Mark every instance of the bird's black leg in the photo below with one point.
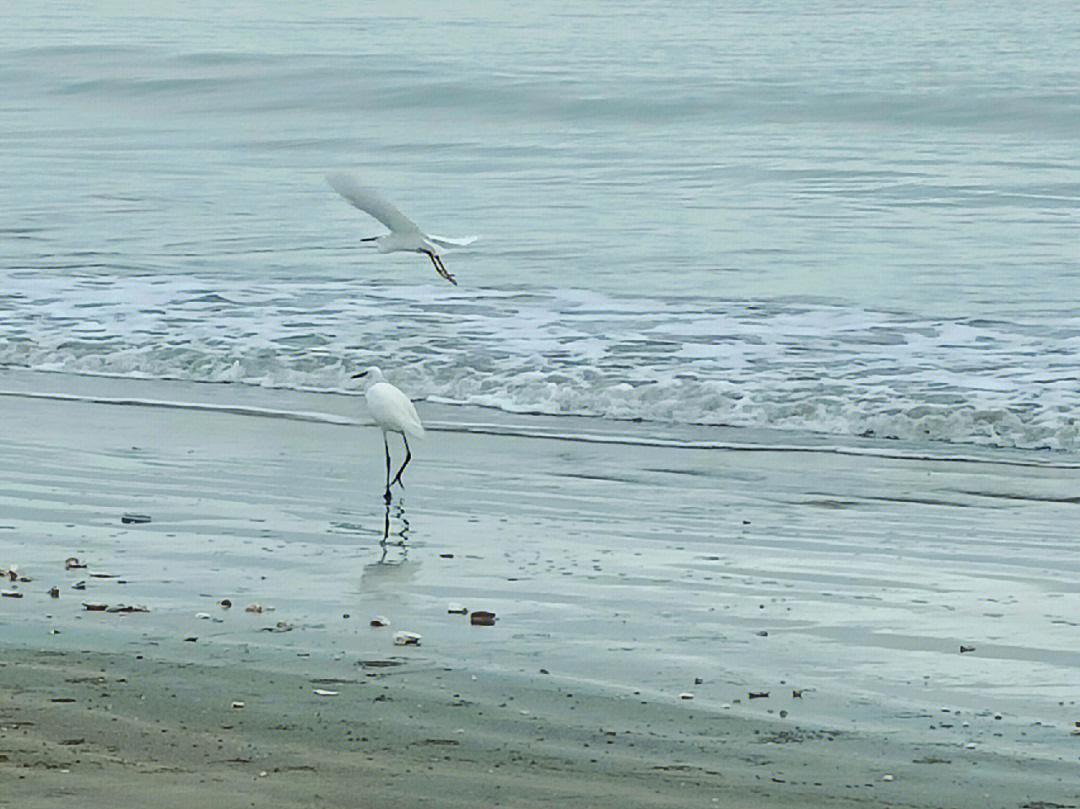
(408, 457)
(439, 268)
(386, 446)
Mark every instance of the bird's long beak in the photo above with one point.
(357, 376)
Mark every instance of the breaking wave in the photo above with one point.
(785, 365)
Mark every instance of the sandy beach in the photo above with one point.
(722, 621)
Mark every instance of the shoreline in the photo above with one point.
(629, 574)
(348, 410)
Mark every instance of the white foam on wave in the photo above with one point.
(792, 366)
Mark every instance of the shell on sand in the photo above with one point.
(404, 638)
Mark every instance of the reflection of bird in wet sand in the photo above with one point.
(394, 413)
(391, 571)
(403, 533)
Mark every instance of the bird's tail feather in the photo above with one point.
(443, 241)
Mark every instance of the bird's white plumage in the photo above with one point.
(367, 199)
(404, 234)
(391, 409)
(445, 241)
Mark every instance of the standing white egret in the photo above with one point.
(394, 413)
(404, 234)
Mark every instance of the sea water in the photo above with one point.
(852, 219)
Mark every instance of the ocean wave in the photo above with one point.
(785, 365)
(574, 432)
(633, 90)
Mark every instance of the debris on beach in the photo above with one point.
(965, 649)
(54, 592)
(203, 616)
(686, 695)
(280, 626)
(762, 633)
(758, 695)
(482, 618)
(457, 609)
(128, 608)
(379, 620)
(94, 606)
(79, 585)
(225, 604)
(13, 575)
(130, 518)
(255, 608)
(73, 563)
(322, 692)
(104, 575)
(10, 594)
(237, 705)
(404, 638)
(796, 693)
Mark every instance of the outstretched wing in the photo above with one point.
(442, 241)
(369, 201)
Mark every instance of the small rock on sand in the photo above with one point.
(482, 618)
(130, 518)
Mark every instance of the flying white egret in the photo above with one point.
(404, 234)
(394, 413)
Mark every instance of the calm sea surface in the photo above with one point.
(855, 219)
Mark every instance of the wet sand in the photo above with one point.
(623, 576)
